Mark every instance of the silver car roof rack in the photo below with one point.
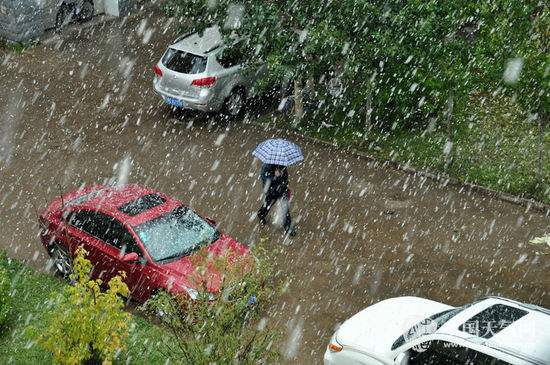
(212, 48)
(182, 37)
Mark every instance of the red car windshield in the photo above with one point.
(176, 234)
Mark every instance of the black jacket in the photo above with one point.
(278, 185)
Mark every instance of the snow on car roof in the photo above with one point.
(85, 197)
(210, 39)
(529, 335)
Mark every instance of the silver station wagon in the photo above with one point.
(200, 72)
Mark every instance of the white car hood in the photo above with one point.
(376, 328)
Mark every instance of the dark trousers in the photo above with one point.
(269, 201)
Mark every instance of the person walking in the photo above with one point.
(275, 187)
(276, 155)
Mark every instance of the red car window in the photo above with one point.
(86, 221)
(105, 228)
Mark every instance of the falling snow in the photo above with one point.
(79, 109)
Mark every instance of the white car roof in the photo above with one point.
(528, 337)
(378, 326)
(193, 43)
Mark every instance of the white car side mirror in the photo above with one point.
(401, 359)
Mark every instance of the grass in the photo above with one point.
(502, 147)
(30, 291)
(494, 146)
(16, 47)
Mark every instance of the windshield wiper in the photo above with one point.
(176, 255)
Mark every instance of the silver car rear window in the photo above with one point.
(183, 62)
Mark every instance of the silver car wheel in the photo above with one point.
(61, 259)
(235, 103)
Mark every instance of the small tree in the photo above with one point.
(85, 323)
(222, 328)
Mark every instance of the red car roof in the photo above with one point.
(110, 200)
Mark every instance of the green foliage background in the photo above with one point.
(398, 62)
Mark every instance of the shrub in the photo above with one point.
(223, 328)
(85, 323)
(5, 297)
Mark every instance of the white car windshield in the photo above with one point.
(427, 326)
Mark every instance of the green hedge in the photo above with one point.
(494, 145)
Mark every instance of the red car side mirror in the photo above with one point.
(130, 257)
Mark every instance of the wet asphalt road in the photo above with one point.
(76, 106)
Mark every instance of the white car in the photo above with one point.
(411, 331)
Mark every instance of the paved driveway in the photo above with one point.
(79, 109)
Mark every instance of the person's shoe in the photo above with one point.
(263, 221)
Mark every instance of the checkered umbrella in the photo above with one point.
(278, 152)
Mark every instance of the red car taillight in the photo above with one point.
(204, 82)
(157, 70)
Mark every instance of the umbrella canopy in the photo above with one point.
(278, 152)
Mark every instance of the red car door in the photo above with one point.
(83, 229)
(117, 242)
(140, 278)
(141, 274)
(106, 240)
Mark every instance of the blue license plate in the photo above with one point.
(174, 102)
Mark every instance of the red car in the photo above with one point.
(145, 233)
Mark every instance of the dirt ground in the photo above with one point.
(76, 106)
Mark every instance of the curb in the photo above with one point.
(439, 177)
